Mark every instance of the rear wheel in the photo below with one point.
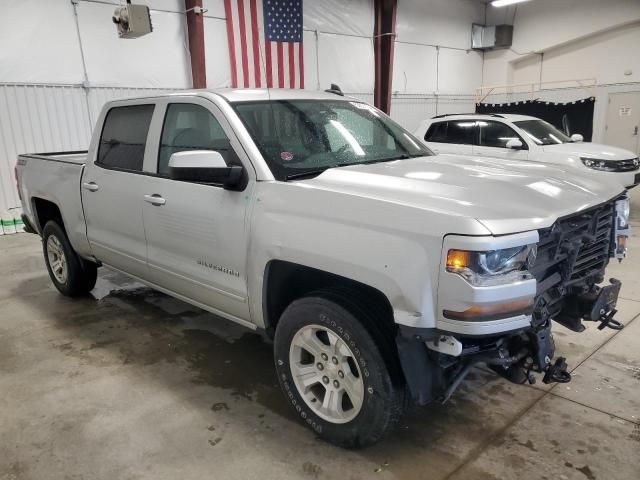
(333, 371)
(71, 275)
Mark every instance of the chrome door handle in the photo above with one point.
(155, 199)
(91, 186)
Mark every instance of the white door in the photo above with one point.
(197, 234)
(623, 121)
(111, 187)
(492, 141)
(452, 136)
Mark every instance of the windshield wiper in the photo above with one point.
(403, 156)
(306, 174)
(314, 173)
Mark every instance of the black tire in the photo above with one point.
(384, 388)
(81, 275)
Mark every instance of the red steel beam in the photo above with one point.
(195, 29)
(384, 40)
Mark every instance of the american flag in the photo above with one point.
(265, 43)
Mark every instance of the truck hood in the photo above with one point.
(591, 150)
(505, 198)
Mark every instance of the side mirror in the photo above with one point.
(576, 137)
(204, 166)
(514, 144)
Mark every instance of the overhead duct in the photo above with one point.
(491, 37)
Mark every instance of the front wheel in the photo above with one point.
(71, 275)
(333, 372)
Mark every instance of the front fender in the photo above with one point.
(387, 247)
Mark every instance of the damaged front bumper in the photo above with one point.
(435, 363)
(572, 256)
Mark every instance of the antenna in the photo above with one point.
(264, 67)
(273, 115)
(335, 89)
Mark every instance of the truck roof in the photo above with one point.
(255, 94)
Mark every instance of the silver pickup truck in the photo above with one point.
(381, 272)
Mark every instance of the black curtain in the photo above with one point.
(571, 117)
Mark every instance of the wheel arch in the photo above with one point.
(286, 281)
(45, 210)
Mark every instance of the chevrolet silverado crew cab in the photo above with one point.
(510, 137)
(380, 271)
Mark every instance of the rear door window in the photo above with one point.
(124, 137)
(460, 132)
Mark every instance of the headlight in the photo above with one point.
(622, 229)
(594, 163)
(623, 210)
(494, 267)
(610, 165)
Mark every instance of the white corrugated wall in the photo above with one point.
(38, 118)
(48, 118)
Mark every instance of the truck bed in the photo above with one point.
(54, 178)
(79, 157)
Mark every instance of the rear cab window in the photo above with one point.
(461, 132)
(124, 137)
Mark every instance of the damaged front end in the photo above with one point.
(568, 270)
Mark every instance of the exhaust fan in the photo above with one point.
(132, 21)
(489, 37)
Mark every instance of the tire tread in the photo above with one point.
(381, 333)
(82, 274)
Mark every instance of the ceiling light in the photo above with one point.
(504, 3)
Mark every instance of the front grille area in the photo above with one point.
(626, 165)
(572, 256)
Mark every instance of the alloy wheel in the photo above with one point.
(57, 259)
(326, 374)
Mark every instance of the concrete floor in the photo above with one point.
(133, 384)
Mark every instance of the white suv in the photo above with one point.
(520, 137)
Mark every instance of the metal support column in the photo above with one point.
(195, 29)
(383, 41)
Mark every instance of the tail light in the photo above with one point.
(15, 171)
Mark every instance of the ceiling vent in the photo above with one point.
(490, 37)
